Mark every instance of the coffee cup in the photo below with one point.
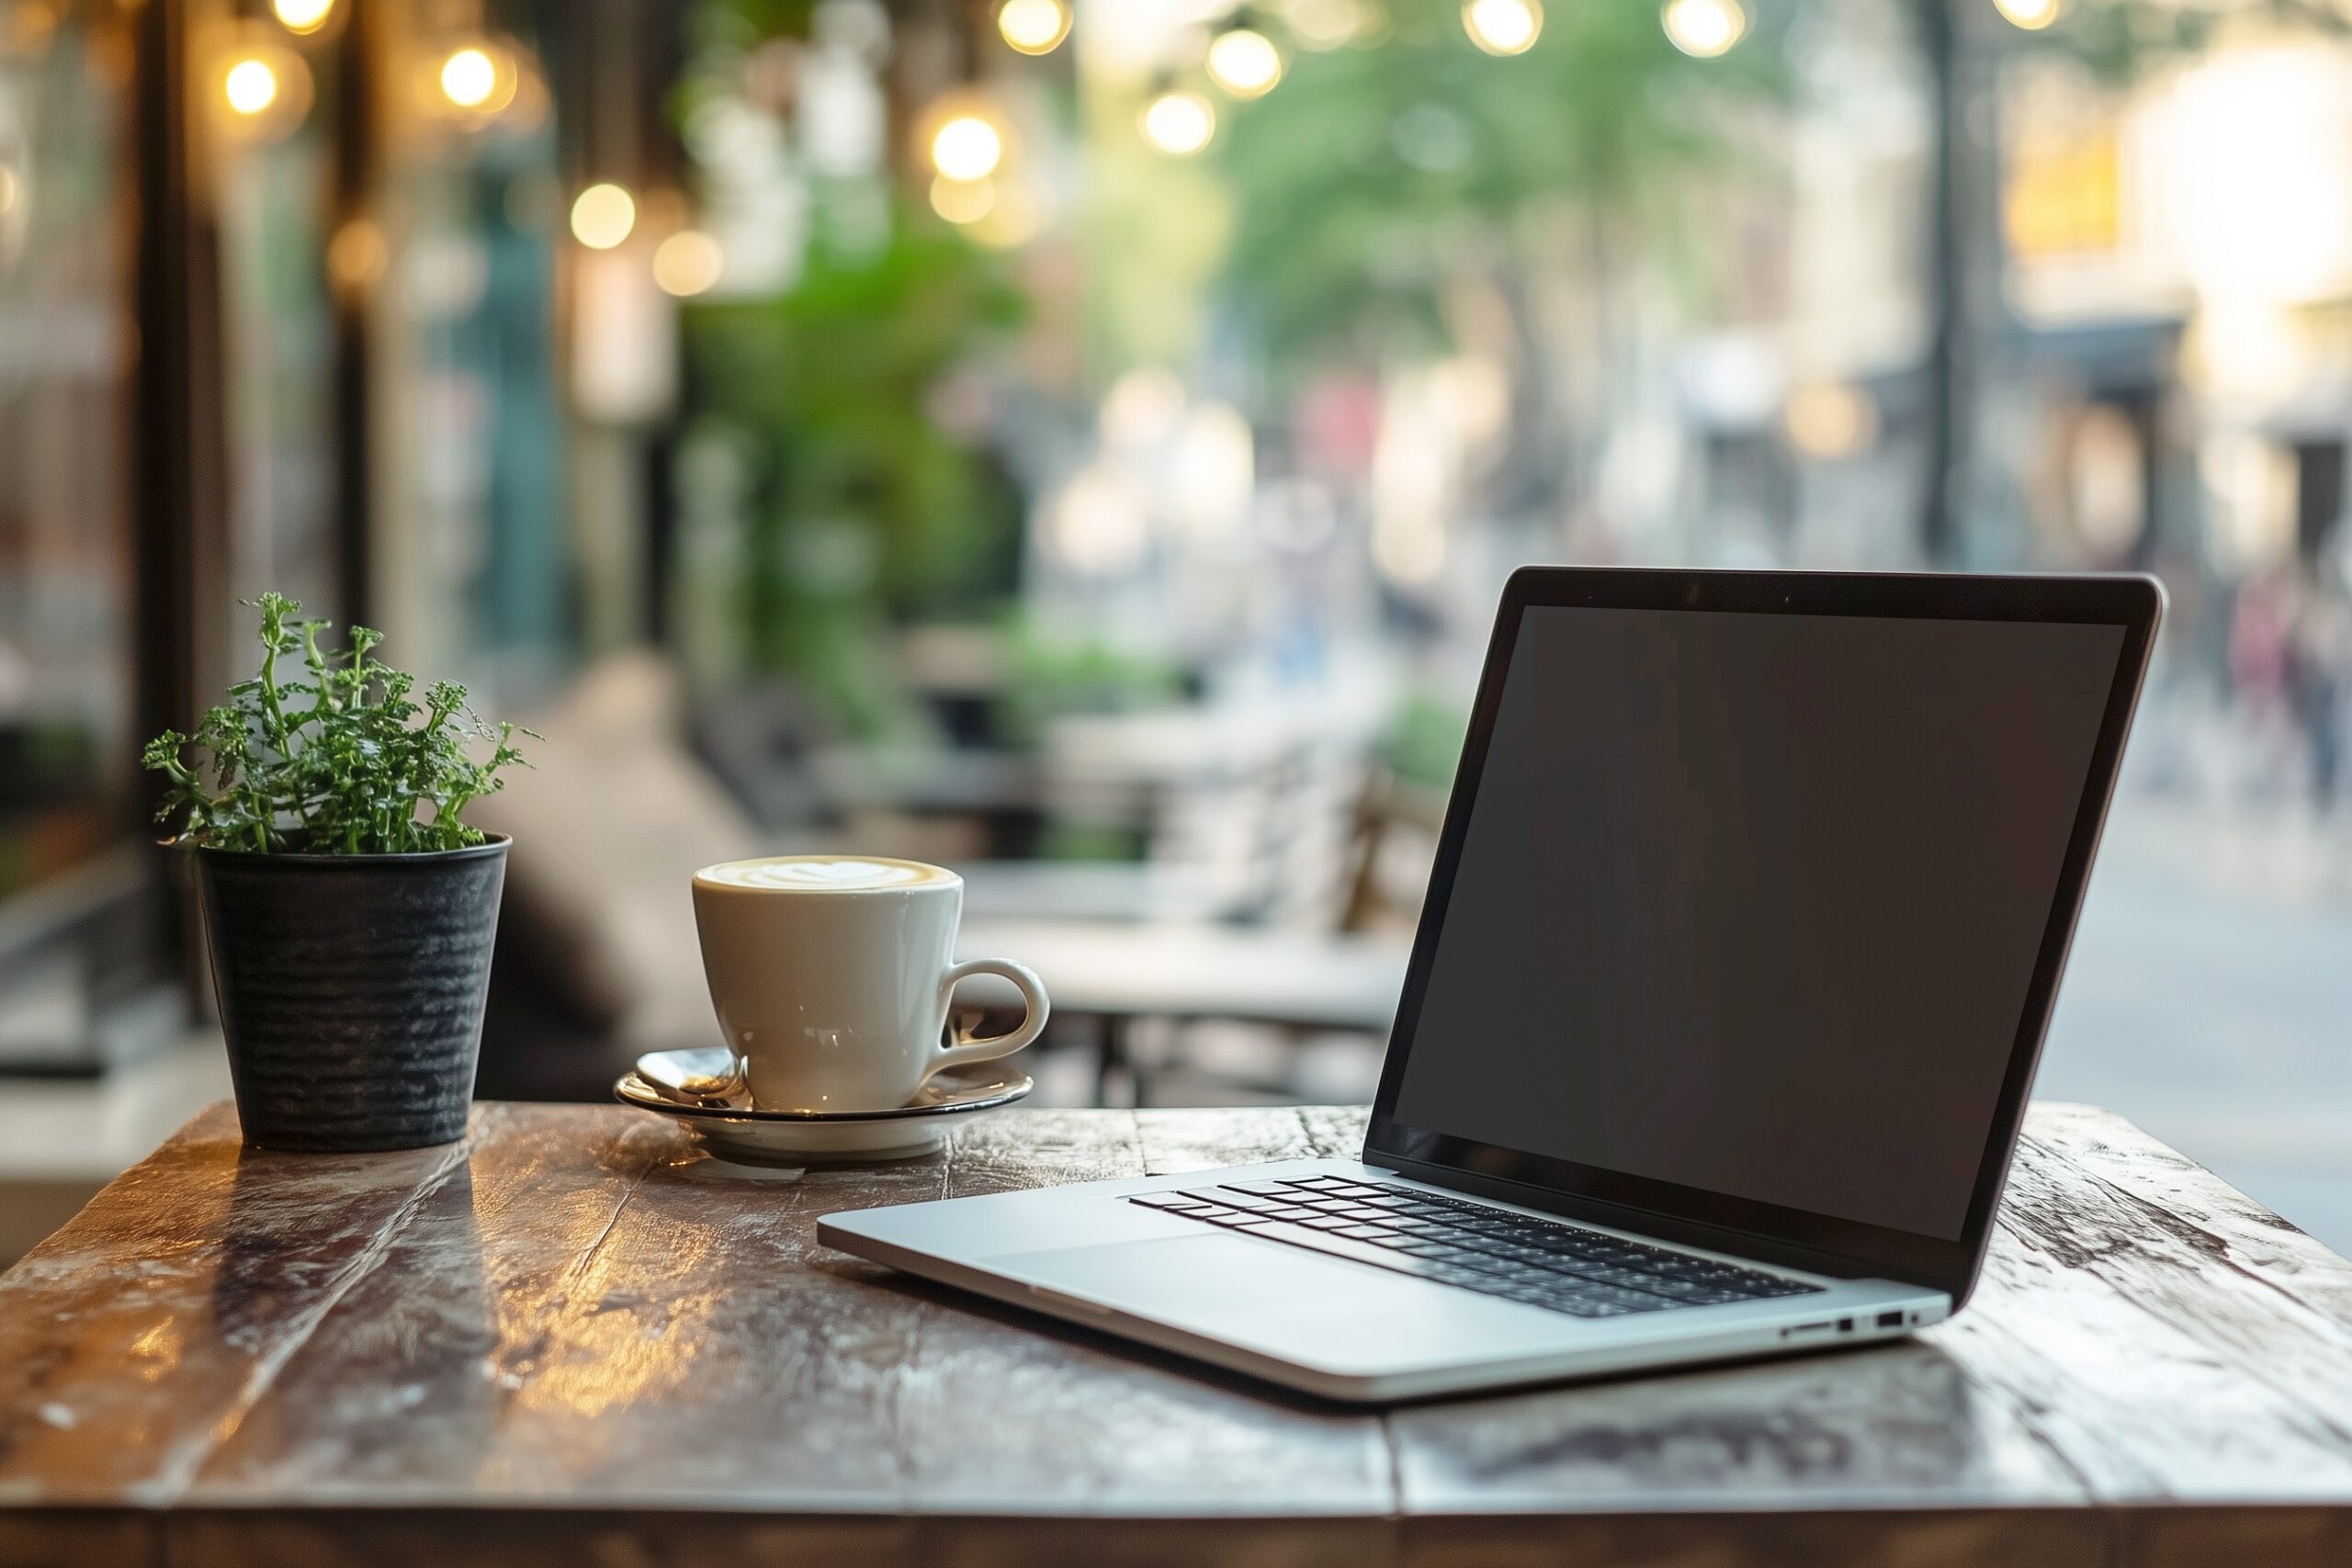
(832, 975)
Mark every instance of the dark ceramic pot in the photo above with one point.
(351, 990)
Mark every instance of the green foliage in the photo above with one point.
(342, 762)
(1375, 174)
(868, 507)
(1422, 743)
(1052, 676)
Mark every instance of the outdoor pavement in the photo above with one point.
(2209, 999)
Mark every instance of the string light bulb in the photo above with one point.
(1178, 123)
(967, 148)
(1245, 62)
(249, 86)
(602, 215)
(1033, 27)
(2031, 15)
(688, 262)
(469, 78)
(1503, 27)
(257, 88)
(1703, 29)
(303, 15)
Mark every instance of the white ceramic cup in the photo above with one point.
(830, 975)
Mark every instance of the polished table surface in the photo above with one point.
(573, 1342)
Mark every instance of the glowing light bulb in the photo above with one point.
(1033, 27)
(1703, 29)
(602, 217)
(1503, 27)
(688, 262)
(1245, 62)
(303, 15)
(1178, 123)
(469, 78)
(249, 87)
(962, 201)
(2031, 15)
(967, 148)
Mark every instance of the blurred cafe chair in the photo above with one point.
(597, 958)
(1264, 901)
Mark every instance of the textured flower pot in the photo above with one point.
(351, 989)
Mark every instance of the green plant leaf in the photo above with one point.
(332, 760)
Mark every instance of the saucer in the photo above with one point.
(675, 1084)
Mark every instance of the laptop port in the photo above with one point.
(1890, 1320)
(1845, 1325)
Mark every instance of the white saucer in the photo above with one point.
(668, 1083)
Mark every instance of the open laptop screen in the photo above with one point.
(1751, 903)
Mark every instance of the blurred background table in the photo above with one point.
(62, 1139)
(574, 1341)
(1118, 974)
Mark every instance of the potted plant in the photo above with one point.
(348, 908)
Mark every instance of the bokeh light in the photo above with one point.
(602, 217)
(357, 255)
(1503, 27)
(1245, 62)
(1178, 123)
(258, 89)
(1829, 421)
(1322, 25)
(303, 15)
(250, 85)
(1100, 525)
(962, 201)
(1033, 27)
(469, 78)
(688, 262)
(967, 148)
(2031, 15)
(1704, 28)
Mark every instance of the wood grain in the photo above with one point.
(574, 1341)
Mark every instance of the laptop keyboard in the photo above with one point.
(1493, 1251)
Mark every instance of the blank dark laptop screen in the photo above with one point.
(1751, 903)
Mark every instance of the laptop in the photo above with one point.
(1746, 923)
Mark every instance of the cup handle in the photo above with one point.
(988, 1049)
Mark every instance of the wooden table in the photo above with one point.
(572, 1344)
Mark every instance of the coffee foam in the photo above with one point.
(824, 873)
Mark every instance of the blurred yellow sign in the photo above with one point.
(2063, 198)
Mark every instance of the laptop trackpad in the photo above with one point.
(1289, 1303)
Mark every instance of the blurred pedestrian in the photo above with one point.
(2262, 629)
(2318, 679)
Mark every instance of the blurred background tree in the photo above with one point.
(1390, 190)
(866, 507)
